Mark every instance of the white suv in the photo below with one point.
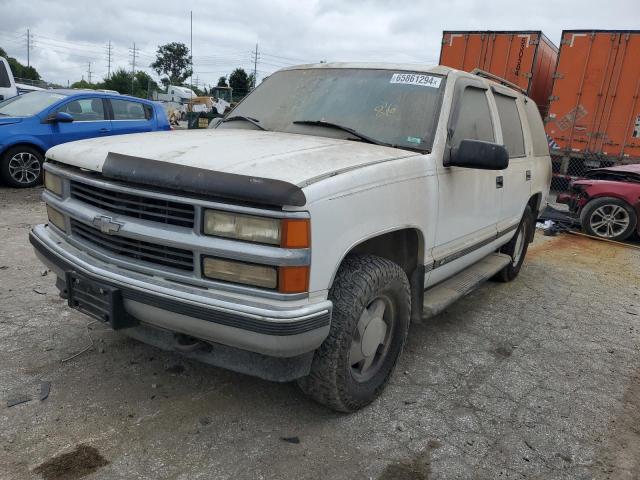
(299, 238)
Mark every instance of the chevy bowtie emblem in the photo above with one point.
(106, 224)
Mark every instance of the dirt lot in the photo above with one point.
(539, 378)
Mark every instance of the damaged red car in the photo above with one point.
(607, 201)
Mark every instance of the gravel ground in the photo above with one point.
(539, 378)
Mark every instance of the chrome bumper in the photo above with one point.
(243, 323)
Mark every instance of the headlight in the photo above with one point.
(288, 233)
(56, 218)
(238, 272)
(53, 183)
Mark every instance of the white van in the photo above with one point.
(7, 84)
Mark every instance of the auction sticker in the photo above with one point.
(416, 79)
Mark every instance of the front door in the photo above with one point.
(469, 199)
(89, 120)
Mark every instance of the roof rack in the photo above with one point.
(496, 78)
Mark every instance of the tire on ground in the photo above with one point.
(593, 205)
(525, 228)
(360, 280)
(4, 166)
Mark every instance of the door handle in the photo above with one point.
(499, 181)
(104, 130)
(527, 175)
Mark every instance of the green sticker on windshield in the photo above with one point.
(415, 140)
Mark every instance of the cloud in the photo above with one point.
(68, 35)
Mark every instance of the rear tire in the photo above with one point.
(369, 325)
(608, 218)
(21, 167)
(517, 247)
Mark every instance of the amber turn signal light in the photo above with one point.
(293, 279)
(296, 233)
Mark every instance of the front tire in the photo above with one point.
(21, 167)
(517, 247)
(608, 218)
(371, 311)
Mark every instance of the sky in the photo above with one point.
(68, 37)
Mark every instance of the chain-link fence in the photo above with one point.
(572, 166)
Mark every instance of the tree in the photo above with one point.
(84, 85)
(20, 71)
(239, 81)
(121, 81)
(222, 82)
(173, 61)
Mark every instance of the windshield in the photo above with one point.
(29, 104)
(398, 108)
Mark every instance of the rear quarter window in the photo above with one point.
(538, 135)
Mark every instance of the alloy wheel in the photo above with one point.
(24, 167)
(609, 220)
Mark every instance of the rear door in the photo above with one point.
(130, 116)
(517, 176)
(89, 120)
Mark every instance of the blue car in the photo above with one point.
(31, 124)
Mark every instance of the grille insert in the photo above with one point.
(134, 205)
(161, 255)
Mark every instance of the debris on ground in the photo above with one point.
(295, 440)
(17, 400)
(45, 389)
(39, 292)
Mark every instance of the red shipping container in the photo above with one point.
(594, 114)
(524, 58)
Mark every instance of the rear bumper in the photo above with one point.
(275, 331)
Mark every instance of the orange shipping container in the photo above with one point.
(594, 115)
(524, 58)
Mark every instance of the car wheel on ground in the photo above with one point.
(21, 167)
(608, 218)
(370, 320)
(517, 247)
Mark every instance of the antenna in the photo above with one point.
(134, 54)
(109, 53)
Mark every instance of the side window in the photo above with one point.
(4, 76)
(474, 119)
(85, 109)
(511, 125)
(127, 110)
(538, 135)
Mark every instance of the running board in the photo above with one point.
(437, 298)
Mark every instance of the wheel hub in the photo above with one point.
(371, 340)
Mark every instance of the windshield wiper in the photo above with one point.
(253, 121)
(361, 136)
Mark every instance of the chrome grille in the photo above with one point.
(127, 247)
(134, 205)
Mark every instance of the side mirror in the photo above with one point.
(61, 117)
(478, 154)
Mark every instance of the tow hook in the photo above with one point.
(185, 343)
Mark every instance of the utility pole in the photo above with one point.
(109, 52)
(191, 48)
(28, 47)
(255, 67)
(89, 72)
(134, 53)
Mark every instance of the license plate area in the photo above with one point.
(98, 300)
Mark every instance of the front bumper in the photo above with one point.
(275, 331)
